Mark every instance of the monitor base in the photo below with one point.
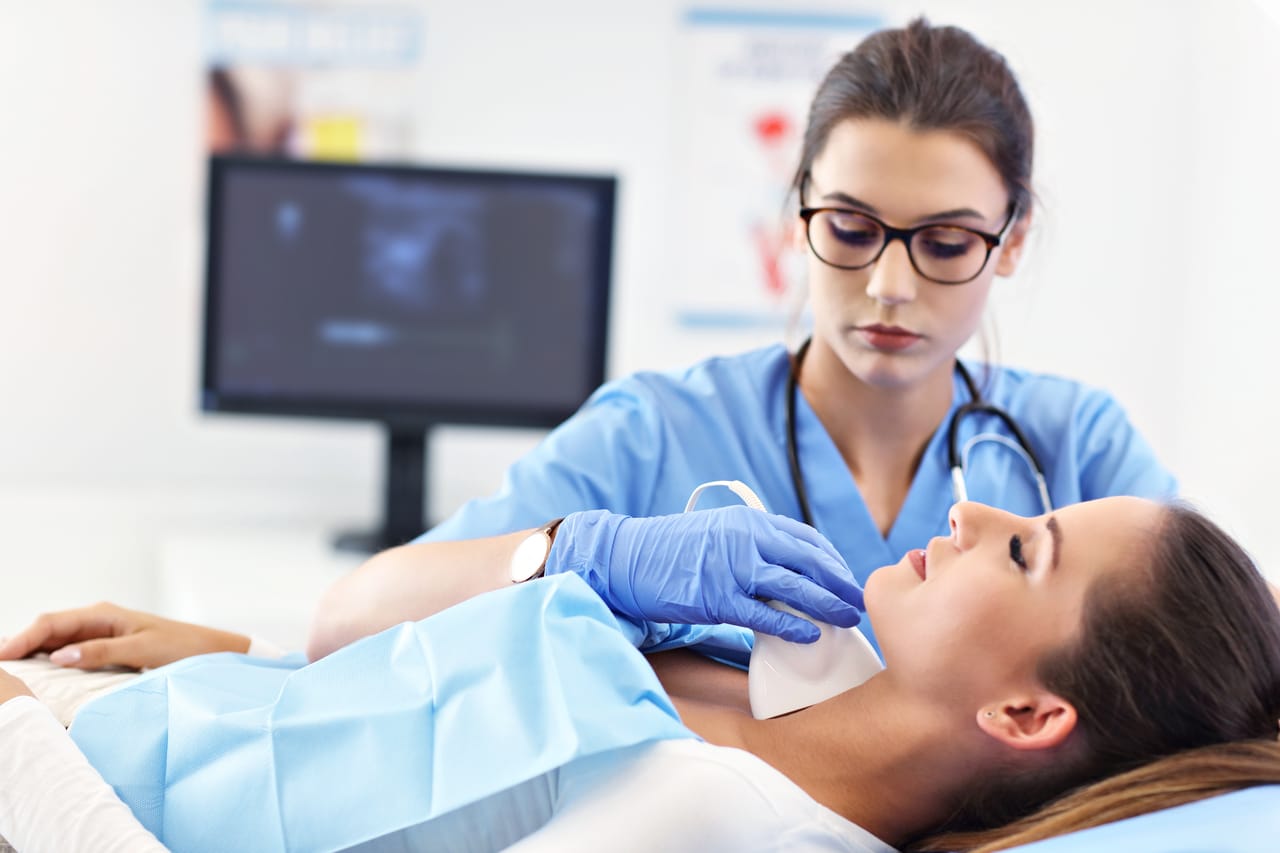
(368, 541)
(403, 496)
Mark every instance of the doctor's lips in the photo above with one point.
(884, 337)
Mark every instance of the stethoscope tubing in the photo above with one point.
(976, 405)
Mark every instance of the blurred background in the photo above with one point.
(1153, 270)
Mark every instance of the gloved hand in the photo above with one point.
(709, 567)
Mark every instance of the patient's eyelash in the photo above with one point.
(1015, 551)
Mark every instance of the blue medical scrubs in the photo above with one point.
(641, 444)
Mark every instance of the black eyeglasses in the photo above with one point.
(946, 254)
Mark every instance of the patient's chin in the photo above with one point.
(878, 590)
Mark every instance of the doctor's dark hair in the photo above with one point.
(1175, 678)
(930, 78)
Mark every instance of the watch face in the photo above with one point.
(530, 556)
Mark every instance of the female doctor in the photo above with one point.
(914, 195)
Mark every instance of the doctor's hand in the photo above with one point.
(709, 567)
(107, 635)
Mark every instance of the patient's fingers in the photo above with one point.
(108, 635)
(133, 651)
(52, 631)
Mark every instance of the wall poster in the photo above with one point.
(312, 80)
(745, 82)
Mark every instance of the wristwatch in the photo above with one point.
(530, 558)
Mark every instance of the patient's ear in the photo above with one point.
(1034, 721)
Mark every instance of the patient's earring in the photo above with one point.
(990, 715)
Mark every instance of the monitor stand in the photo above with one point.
(403, 495)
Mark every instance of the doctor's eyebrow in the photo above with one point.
(1056, 532)
(957, 213)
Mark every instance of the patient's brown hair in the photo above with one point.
(1175, 678)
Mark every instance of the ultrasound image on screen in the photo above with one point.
(406, 287)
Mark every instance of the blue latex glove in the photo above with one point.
(710, 567)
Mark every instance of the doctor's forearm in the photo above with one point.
(408, 583)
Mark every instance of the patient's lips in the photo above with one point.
(918, 562)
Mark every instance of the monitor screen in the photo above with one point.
(406, 294)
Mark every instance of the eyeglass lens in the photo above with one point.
(941, 252)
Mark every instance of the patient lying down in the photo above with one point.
(1026, 661)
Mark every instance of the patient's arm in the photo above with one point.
(53, 799)
(108, 635)
(409, 583)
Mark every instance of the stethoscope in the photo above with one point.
(957, 459)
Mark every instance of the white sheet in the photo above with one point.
(64, 690)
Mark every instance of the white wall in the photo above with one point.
(1227, 398)
(1153, 273)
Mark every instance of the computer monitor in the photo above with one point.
(404, 294)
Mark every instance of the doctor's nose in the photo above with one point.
(893, 279)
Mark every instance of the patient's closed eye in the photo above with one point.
(1015, 551)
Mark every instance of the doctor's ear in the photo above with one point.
(1038, 721)
(1013, 246)
(799, 236)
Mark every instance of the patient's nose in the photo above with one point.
(968, 519)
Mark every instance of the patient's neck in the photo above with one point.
(890, 765)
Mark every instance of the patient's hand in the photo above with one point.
(11, 687)
(107, 635)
